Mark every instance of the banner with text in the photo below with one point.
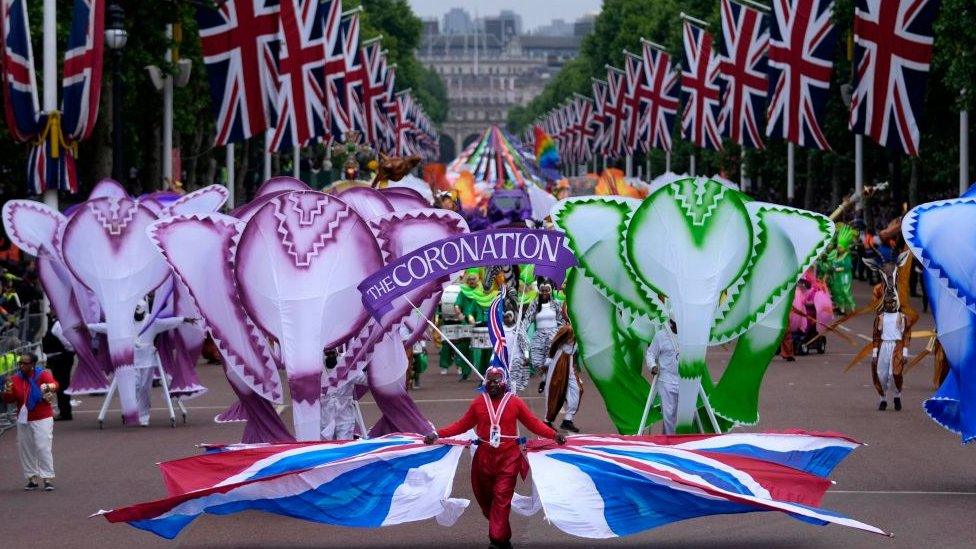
(545, 249)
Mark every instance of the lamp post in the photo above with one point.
(115, 39)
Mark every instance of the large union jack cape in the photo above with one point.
(82, 81)
(892, 50)
(365, 483)
(745, 37)
(19, 79)
(663, 90)
(300, 105)
(801, 50)
(700, 89)
(240, 45)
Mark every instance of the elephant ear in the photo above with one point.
(34, 227)
(787, 242)
(594, 228)
(200, 249)
(404, 198)
(369, 203)
(206, 200)
(940, 234)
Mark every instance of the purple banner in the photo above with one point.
(431, 263)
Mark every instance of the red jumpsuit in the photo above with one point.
(494, 470)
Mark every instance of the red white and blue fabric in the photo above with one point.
(802, 40)
(364, 483)
(496, 332)
(19, 79)
(82, 79)
(300, 106)
(584, 130)
(335, 68)
(402, 108)
(374, 91)
(239, 39)
(354, 80)
(892, 52)
(638, 100)
(663, 97)
(615, 111)
(610, 486)
(745, 38)
(46, 172)
(700, 89)
(388, 139)
(600, 121)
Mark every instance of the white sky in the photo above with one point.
(534, 12)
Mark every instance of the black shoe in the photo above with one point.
(62, 418)
(790, 359)
(500, 545)
(897, 404)
(883, 405)
(31, 486)
(48, 486)
(569, 426)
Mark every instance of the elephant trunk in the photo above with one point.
(303, 364)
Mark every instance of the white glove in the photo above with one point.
(874, 353)
(904, 352)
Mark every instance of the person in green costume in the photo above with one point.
(473, 303)
(840, 277)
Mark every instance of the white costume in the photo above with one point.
(892, 332)
(572, 384)
(517, 346)
(138, 379)
(663, 352)
(339, 409)
(548, 319)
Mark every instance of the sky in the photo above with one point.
(534, 12)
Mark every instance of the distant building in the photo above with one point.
(458, 21)
(584, 25)
(503, 26)
(431, 26)
(557, 27)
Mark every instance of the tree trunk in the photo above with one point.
(100, 166)
(191, 161)
(210, 174)
(242, 169)
(835, 194)
(810, 185)
(913, 184)
(897, 191)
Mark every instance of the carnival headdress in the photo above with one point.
(846, 235)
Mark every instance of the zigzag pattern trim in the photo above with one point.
(304, 260)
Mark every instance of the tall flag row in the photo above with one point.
(54, 135)
(767, 77)
(298, 70)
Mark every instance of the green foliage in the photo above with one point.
(951, 87)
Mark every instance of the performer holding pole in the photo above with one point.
(498, 459)
(661, 359)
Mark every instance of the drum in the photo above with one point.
(452, 331)
(448, 298)
(480, 339)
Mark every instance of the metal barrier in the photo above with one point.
(19, 335)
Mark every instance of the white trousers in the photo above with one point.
(669, 405)
(572, 394)
(34, 440)
(886, 355)
(338, 418)
(144, 381)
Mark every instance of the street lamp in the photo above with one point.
(115, 39)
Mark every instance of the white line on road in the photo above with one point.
(901, 493)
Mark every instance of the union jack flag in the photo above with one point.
(745, 38)
(82, 80)
(346, 76)
(615, 111)
(373, 91)
(600, 121)
(44, 171)
(699, 120)
(585, 130)
(389, 116)
(19, 81)
(401, 108)
(663, 99)
(892, 50)
(637, 101)
(239, 39)
(496, 332)
(300, 106)
(801, 51)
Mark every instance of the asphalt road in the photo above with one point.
(913, 478)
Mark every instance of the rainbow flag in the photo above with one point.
(545, 149)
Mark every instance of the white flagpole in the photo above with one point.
(790, 173)
(667, 161)
(297, 160)
(50, 80)
(630, 165)
(858, 165)
(267, 154)
(691, 165)
(168, 116)
(229, 158)
(963, 151)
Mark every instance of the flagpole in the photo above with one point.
(858, 165)
(296, 161)
(629, 165)
(168, 115)
(691, 165)
(963, 151)
(267, 154)
(667, 161)
(790, 174)
(229, 159)
(648, 167)
(50, 82)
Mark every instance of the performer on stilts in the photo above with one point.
(661, 358)
(892, 334)
(563, 385)
(145, 359)
(498, 459)
(546, 313)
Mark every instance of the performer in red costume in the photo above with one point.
(499, 458)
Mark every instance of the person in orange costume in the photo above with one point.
(499, 460)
